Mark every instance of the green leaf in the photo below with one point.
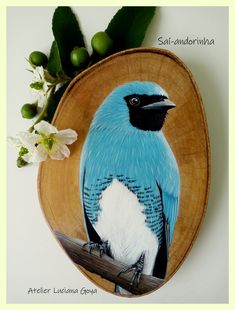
(54, 63)
(23, 151)
(21, 162)
(67, 34)
(128, 26)
(37, 85)
(54, 102)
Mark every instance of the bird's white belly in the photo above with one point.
(122, 223)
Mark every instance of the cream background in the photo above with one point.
(34, 257)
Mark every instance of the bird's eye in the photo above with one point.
(134, 101)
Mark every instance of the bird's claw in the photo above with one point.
(103, 247)
(137, 268)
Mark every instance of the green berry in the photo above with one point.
(102, 43)
(21, 162)
(29, 110)
(79, 57)
(38, 59)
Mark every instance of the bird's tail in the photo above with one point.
(121, 291)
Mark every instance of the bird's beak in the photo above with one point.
(165, 104)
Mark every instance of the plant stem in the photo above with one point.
(44, 110)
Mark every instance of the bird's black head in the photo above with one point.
(148, 112)
(136, 104)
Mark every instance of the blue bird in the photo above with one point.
(130, 180)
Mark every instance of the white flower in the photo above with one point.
(39, 86)
(46, 141)
(25, 141)
(52, 142)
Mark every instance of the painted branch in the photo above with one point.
(105, 266)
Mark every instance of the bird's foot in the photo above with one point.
(103, 247)
(137, 268)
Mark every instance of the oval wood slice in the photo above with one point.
(185, 130)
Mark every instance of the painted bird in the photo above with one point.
(130, 180)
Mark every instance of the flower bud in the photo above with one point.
(38, 59)
(29, 110)
(102, 43)
(79, 57)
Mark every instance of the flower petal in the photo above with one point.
(28, 139)
(45, 128)
(15, 141)
(27, 157)
(59, 151)
(38, 74)
(41, 72)
(38, 154)
(40, 96)
(64, 150)
(66, 136)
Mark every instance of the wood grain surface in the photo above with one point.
(185, 130)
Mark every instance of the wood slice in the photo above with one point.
(185, 130)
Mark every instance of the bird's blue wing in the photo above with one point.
(170, 211)
(90, 206)
(168, 184)
(92, 194)
(92, 185)
(161, 210)
(150, 199)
